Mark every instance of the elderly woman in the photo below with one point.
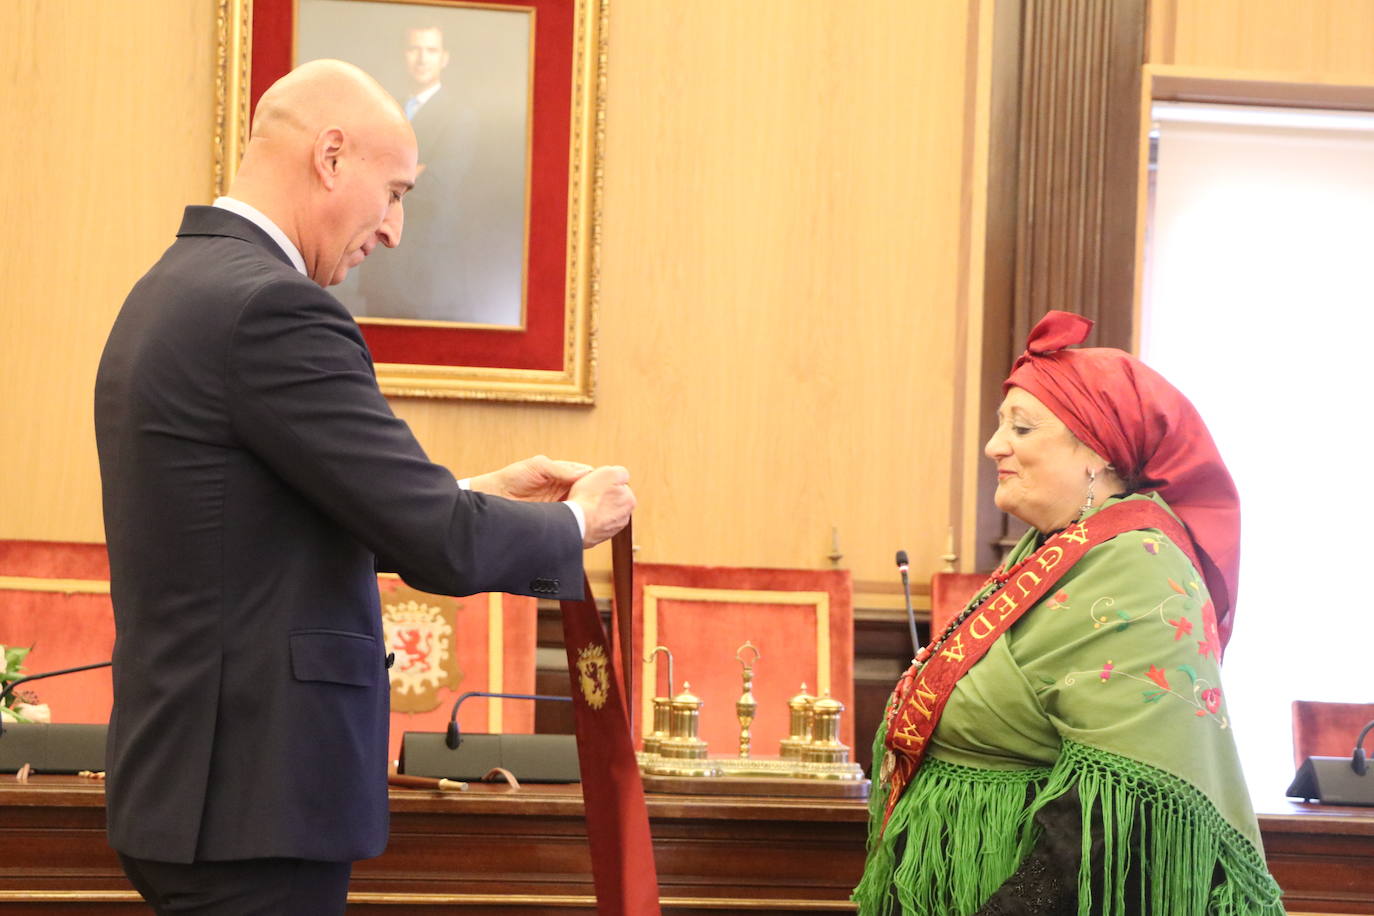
(1064, 745)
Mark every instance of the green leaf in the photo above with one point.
(1188, 670)
(1152, 696)
(14, 658)
(1046, 680)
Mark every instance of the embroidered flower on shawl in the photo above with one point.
(1106, 674)
(1182, 627)
(1211, 697)
(1151, 546)
(1158, 676)
(1058, 600)
(1209, 622)
(1212, 640)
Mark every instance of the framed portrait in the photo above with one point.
(492, 291)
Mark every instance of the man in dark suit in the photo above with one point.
(254, 481)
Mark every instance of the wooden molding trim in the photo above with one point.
(62, 586)
(1257, 87)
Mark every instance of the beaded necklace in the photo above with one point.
(1000, 577)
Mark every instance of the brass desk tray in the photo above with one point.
(752, 776)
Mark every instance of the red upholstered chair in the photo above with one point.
(949, 592)
(55, 597)
(1327, 729)
(801, 621)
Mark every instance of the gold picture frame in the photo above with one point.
(551, 355)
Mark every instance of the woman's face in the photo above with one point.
(1042, 470)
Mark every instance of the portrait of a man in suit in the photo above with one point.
(461, 75)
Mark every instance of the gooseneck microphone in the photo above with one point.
(453, 738)
(903, 565)
(1357, 761)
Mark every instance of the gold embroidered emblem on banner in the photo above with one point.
(593, 675)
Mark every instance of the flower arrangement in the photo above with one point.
(23, 705)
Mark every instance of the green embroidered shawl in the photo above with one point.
(1111, 687)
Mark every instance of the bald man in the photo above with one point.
(255, 480)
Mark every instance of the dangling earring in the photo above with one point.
(1088, 497)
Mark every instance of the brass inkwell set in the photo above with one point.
(811, 759)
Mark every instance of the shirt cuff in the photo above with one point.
(581, 519)
(466, 484)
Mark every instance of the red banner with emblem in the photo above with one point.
(612, 792)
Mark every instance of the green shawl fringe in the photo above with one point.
(953, 838)
(959, 832)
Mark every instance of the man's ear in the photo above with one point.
(329, 146)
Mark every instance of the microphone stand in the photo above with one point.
(903, 565)
(13, 685)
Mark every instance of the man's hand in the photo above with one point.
(538, 479)
(606, 500)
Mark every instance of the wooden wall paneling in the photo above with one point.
(1063, 159)
(1080, 79)
(784, 232)
(109, 105)
(985, 273)
(779, 256)
(1310, 38)
(995, 341)
(1162, 31)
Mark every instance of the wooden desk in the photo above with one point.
(486, 851)
(492, 851)
(1322, 856)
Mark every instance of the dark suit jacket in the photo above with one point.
(253, 474)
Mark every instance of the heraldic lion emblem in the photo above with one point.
(594, 676)
(421, 636)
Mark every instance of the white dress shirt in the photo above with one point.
(259, 219)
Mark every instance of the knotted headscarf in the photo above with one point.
(1148, 431)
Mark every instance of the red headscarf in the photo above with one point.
(1146, 429)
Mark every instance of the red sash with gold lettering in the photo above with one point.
(922, 692)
